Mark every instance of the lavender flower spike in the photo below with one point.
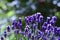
(35, 28)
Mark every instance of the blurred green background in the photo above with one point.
(13, 9)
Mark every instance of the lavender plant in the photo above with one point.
(47, 30)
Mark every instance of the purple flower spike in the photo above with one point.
(31, 31)
(22, 33)
(5, 34)
(20, 20)
(20, 26)
(30, 19)
(41, 17)
(47, 32)
(26, 20)
(49, 26)
(39, 32)
(34, 26)
(45, 24)
(34, 18)
(57, 31)
(52, 22)
(54, 18)
(8, 29)
(27, 26)
(2, 38)
(44, 28)
(26, 30)
(33, 37)
(14, 23)
(44, 38)
(38, 36)
(53, 38)
(59, 39)
(13, 27)
(16, 31)
(38, 15)
(48, 19)
(29, 35)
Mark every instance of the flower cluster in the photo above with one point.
(35, 28)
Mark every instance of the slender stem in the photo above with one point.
(20, 37)
(0, 31)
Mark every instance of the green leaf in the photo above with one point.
(2, 16)
(12, 37)
(57, 14)
(10, 13)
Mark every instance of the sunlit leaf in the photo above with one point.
(10, 13)
(57, 14)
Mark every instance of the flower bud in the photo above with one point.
(5, 34)
(8, 29)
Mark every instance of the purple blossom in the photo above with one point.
(22, 33)
(26, 20)
(34, 18)
(5, 34)
(13, 27)
(30, 19)
(27, 26)
(20, 20)
(16, 31)
(8, 29)
(34, 26)
(33, 37)
(57, 31)
(47, 31)
(19, 26)
(39, 34)
(2, 38)
(49, 26)
(26, 30)
(38, 15)
(54, 18)
(45, 24)
(44, 38)
(29, 35)
(53, 38)
(14, 23)
(48, 20)
(52, 22)
(44, 28)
